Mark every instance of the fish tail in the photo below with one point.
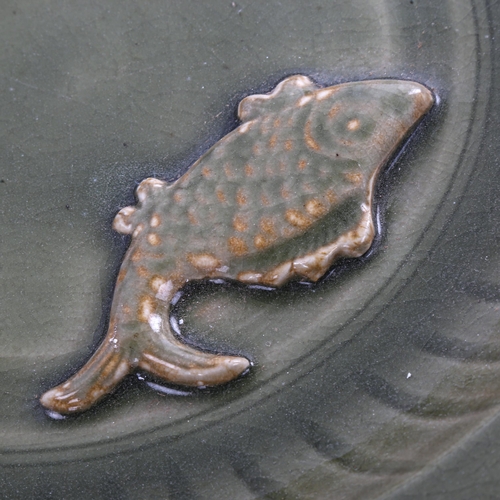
(98, 377)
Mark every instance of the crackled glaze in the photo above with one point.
(283, 195)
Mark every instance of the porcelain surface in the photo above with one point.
(284, 195)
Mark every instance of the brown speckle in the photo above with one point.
(155, 220)
(156, 282)
(206, 172)
(354, 177)
(260, 242)
(285, 193)
(228, 171)
(256, 150)
(137, 256)
(331, 196)
(379, 137)
(240, 224)
(241, 197)
(334, 111)
(142, 271)
(109, 368)
(178, 196)
(154, 239)
(353, 124)
(272, 141)
(307, 188)
(297, 219)
(288, 145)
(191, 218)
(199, 196)
(185, 179)
(121, 276)
(237, 246)
(315, 207)
(302, 164)
(277, 123)
(265, 200)
(221, 196)
(264, 128)
(267, 226)
(164, 292)
(248, 170)
(138, 230)
(204, 262)
(311, 143)
(147, 306)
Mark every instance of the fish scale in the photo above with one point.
(215, 217)
(283, 195)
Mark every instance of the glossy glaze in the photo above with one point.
(283, 195)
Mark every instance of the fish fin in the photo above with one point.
(286, 93)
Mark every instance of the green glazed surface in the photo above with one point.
(365, 380)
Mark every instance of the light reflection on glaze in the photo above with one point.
(284, 195)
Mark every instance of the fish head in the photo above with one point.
(365, 121)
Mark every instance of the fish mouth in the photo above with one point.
(423, 99)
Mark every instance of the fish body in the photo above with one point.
(284, 195)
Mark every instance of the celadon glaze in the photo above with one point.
(284, 195)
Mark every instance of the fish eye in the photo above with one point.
(353, 124)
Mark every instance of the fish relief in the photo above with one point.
(284, 195)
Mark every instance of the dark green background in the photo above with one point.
(97, 96)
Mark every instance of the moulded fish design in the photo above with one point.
(283, 195)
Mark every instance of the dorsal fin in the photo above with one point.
(286, 92)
